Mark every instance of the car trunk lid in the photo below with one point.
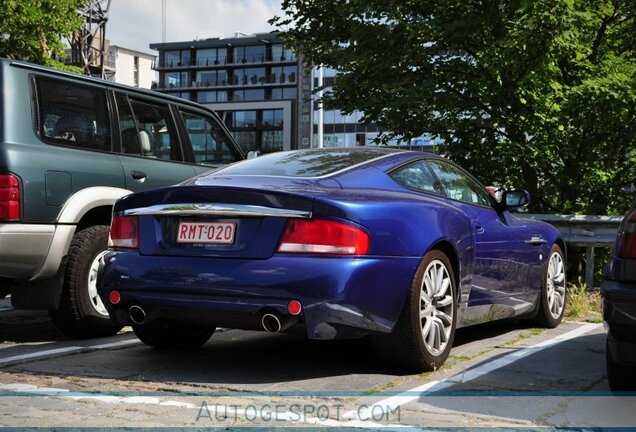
(219, 220)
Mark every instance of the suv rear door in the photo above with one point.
(149, 147)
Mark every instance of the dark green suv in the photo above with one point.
(70, 146)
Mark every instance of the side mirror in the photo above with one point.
(514, 199)
(253, 154)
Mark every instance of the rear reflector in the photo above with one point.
(124, 232)
(9, 197)
(627, 237)
(114, 297)
(294, 307)
(323, 237)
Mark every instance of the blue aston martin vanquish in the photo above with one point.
(339, 242)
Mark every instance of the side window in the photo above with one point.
(73, 114)
(417, 176)
(130, 134)
(147, 129)
(209, 144)
(458, 185)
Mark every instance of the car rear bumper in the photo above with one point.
(341, 297)
(23, 248)
(33, 251)
(619, 315)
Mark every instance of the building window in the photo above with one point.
(243, 119)
(211, 56)
(176, 58)
(283, 74)
(136, 71)
(254, 95)
(273, 118)
(211, 78)
(271, 141)
(246, 140)
(280, 53)
(250, 54)
(289, 93)
(175, 80)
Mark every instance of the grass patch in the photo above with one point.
(382, 388)
(531, 332)
(581, 304)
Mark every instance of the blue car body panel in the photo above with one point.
(498, 273)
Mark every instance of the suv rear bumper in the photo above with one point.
(30, 251)
(619, 315)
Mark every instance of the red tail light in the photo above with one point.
(627, 237)
(323, 237)
(9, 197)
(124, 232)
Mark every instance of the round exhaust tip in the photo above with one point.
(271, 323)
(137, 314)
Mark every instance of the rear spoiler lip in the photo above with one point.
(207, 209)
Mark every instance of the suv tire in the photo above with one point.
(80, 312)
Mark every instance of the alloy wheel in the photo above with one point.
(556, 285)
(436, 307)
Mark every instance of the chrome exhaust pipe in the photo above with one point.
(271, 323)
(137, 314)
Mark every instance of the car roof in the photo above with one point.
(101, 82)
(318, 162)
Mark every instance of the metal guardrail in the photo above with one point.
(583, 231)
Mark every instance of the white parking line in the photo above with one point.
(351, 419)
(414, 394)
(66, 350)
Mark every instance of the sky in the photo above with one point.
(135, 24)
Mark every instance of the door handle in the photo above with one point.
(536, 240)
(138, 175)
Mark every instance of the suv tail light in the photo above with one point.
(323, 237)
(124, 232)
(627, 237)
(9, 197)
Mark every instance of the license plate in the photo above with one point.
(206, 232)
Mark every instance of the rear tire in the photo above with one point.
(553, 292)
(424, 334)
(170, 335)
(81, 313)
(620, 378)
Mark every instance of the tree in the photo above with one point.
(529, 93)
(33, 30)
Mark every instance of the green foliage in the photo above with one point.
(526, 93)
(33, 29)
(582, 304)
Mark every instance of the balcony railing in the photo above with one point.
(221, 61)
(238, 81)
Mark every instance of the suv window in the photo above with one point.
(209, 144)
(72, 114)
(147, 129)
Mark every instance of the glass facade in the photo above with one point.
(235, 72)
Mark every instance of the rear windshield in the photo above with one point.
(304, 163)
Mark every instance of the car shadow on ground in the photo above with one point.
(252, 360)
(242, 357)
(20, 326)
